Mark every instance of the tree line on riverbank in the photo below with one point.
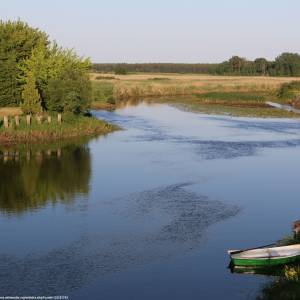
(39, 75)
(286, 64)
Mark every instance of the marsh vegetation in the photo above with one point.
(218, 94)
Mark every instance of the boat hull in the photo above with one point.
(264, 261)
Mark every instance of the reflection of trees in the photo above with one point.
(284, 286)
(35, 177)
(280, 289)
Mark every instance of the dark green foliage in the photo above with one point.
(229, 97)
(17, 40)
(69, 92)
(290, 91)
(261, 66)
(158, 68)
(10, 92)
(103, 92)
(287, 89)
(60, 80)
(31, 100)
(120, 70)
(287, 64)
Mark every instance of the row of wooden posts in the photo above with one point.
(39, 119)
(39, 155)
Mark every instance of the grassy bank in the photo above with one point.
(218, 94)
(71, 127)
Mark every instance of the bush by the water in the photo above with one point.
(290, 91)
(103, 92)
(37, 73)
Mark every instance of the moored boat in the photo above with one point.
(265, 256)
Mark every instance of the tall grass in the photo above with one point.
(247, 92)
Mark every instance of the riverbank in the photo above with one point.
(71, 127)
(237, 96)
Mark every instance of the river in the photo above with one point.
(150, 211)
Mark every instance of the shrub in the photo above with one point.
(120, 70)
(31, 98)
(289, 90)
(104, 92)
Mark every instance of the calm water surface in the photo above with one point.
(148, 212)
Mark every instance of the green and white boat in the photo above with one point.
(265, 256)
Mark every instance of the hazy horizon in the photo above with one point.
(168, 32)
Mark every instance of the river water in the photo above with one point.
(150, 211)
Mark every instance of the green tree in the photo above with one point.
(17, 40)
(9, 89)
(69, 92)
(120, 70)
(288, 64)
(61, 77)
(236, 64)
(31, 103)
(261, 66)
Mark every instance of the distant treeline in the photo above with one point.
(286, 64)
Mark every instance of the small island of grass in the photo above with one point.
(45, 90)
(40, 130)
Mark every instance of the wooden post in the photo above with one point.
(17, 119)
(39, 156)
(5, 155)
(28, 155)
(28, 119)
(5, 119)
(39, 119)
(49, 119)
(17, 155)
(59, 118)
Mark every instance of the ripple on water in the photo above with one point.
(185, 216)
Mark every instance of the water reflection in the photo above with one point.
(161, 208)
(42, 174)
(281, 289)
(160, 223)
(283, 284)
(211, 137)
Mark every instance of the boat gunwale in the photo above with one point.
(235, 254)
(266, 257)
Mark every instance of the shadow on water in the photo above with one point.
(34, 176)
(188, 213)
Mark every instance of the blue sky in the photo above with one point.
(165, 30)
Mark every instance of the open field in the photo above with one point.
(237, 95)
(196, 77)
